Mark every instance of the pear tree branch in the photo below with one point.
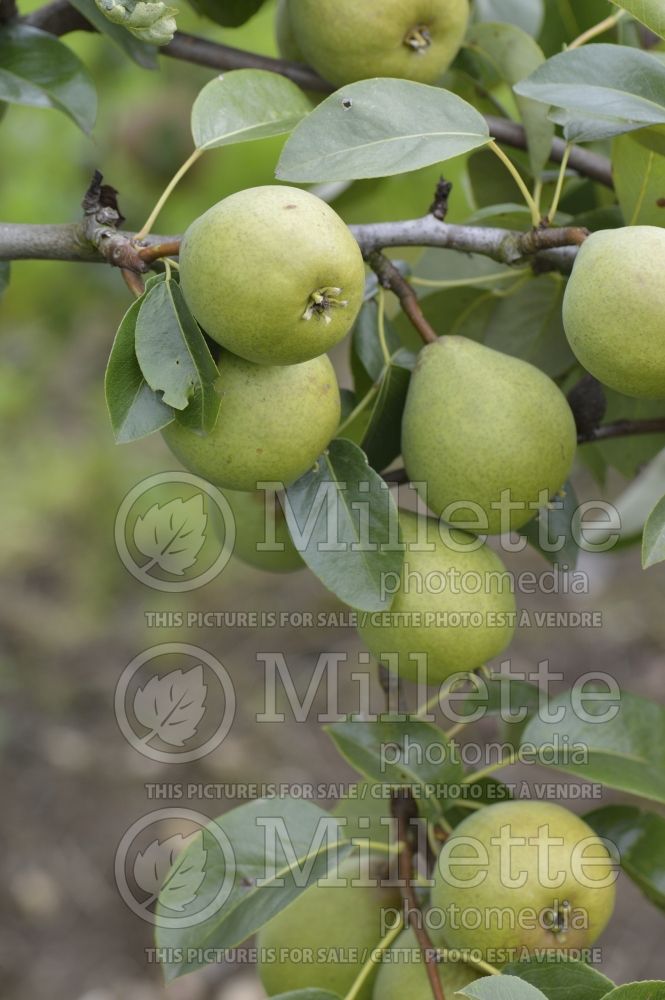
(60, 18)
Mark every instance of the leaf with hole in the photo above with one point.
(376, 128)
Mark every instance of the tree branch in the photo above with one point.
(59, 18)
(389, 277)
(623, 428)
(8, 11)
(80, 242)
(404, 810)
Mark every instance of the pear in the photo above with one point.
(345, 40)
(402, 974)
(250, 513)
(614, 309)
(273, 424)
(324, 938)
(286, 43)
(272, 274)
(478, 423)
(454, 607)
(525, 894)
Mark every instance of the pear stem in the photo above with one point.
(389, 277)
(519, 180)
(381, 323)
(368, 967)
(559, 185)
(467, 957)
(166, 194)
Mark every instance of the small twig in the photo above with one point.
(404, 810)
(389, 277)
(439, 207)
(624, 428)
(149, 254)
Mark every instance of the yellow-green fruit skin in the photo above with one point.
(614, 309)
(249, 514)
(250, 265)
(328, 933)
(286, 43)
(450, 644)
(273, 424)
(477, 423)
(497, 919)
(402, 974)
(345, 40)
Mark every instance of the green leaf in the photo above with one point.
(526, 14)
(649, 12)
(638, 167)
(134, 408)
(376, 128)
(228, 13)
(141, 52)
(553, 528)
(247, 871)
(653, 540)
(398, 753)
(38, 70)
(640, 839)
(382, 440)
(562, 978)
(501, 988)
(4, 275)
(311, 994)
(244, 105)
(600, 90)
(174, 356)
(625, 750)
(651, 990)
(365, 342)
(342, 492)
(514, 54)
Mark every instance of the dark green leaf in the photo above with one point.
(650, 12)
(526, 14)
(228, 13)
(638, 167)
(551, 531)
(342, 492)
(651, 990)
(501, 988)
(246, 104)
(174, 356)
(382, 440)
(141, 52)
(653, 541)
(513, 54)
(625, 750)
(640, 839)
(366, 344)
(398, 753)
(600, 90)
(375, 128)
(310, 846)
(562, 979)
(39, 70)
(134, 408)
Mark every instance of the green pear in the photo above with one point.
(480, 426)
(272, 274)
(323, 939)
(455, 608)
(614, 309)
(286, 42)
(345, 40)
(273, 424)
(402, 974)
(534, 876)
(250, 513)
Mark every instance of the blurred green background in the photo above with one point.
(71, 616)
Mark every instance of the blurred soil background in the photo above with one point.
(72, 617)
